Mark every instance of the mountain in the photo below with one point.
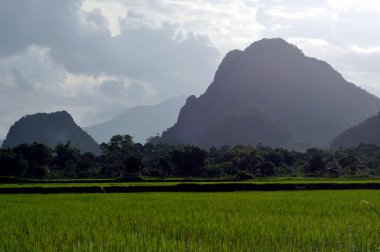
(271, 93)
(50, 128)
(367, 132)
(140, 122)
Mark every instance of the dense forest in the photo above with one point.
(122, 158)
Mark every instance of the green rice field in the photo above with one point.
(341, 220)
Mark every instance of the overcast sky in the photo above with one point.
(95, 58)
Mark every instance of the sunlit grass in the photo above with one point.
(245, 221)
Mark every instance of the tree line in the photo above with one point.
(121, 158)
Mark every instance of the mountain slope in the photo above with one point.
(367, 132)
(309, 101)
(140, 122)
(50, 128)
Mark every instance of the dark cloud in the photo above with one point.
(146, 54)
(82, 43)
(23, 23)
(42, 41)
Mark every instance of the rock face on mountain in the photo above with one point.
(140, 122)
(367, 132)
(50, 128)
(272, 94)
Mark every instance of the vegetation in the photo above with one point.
(225, 221)
(247, 221)
(122, 158)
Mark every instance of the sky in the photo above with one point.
(96, 58)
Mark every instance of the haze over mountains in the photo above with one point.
(140, 122)
(367, 132)
(50, 128)
(272, 94)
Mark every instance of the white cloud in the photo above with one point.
(285, 13)
(113, 11)
(344, 5)
(228, 24)
(277, 27)
(309, 43)
(365, 50)
(33, 69)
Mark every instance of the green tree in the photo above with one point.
(316, 166)
(66, 160)
(274, 157)
(12, 164)
(265, 168)
(115, 154)
(38, 157)
(132, 166)
(188, 161)
(349, 164)
(88, 165)
(156, 160)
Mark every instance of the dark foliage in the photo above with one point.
(122, 158)
(188, 161)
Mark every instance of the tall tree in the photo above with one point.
(66, 159)
(116, 153)
(189, 161)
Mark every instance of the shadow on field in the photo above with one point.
(221, 187)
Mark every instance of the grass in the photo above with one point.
(244, 221)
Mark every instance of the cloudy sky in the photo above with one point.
(95, 58)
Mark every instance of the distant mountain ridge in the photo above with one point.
(140, 122)
(366, 132)
(50, 128)
(272, 94)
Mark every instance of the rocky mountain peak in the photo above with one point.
(307, 99)
(50, 128)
